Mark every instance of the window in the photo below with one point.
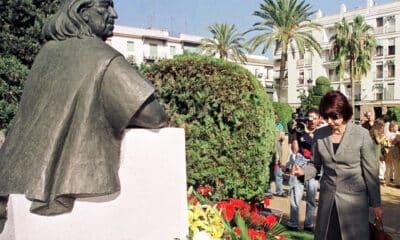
(300, 61)
(301, 77)
(153, 51)
(308, 59)
(391, 47)
(379, 70)
(172, 51)
(332, 75)
(328, 57)
(379, 22)
(379, 25)
(309, 76)
(130, 46)
(390, 23)
(379, 96)
(378, 91)
(391, 69)
(389, 92)
(379, 51)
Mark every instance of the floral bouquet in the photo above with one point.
(231, 219)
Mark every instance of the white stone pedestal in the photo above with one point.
(152, 203)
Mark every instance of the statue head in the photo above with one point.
(81, 18)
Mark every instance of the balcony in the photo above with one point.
(334, 78)
(390, 29)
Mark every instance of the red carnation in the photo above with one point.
(270, 220)
(192, 199)
(204, 190)
(228, 211)
(236, 230)
(266, 202)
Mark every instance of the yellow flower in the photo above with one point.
(205, 218)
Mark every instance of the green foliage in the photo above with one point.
(394, 113)
(296, 235)
(228, 120)
(226, 42)
(12, 76)
(21, 22)
(315, 94)
(284, 112)
(352, 47)
(283, 23)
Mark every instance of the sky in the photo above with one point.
(194, 16)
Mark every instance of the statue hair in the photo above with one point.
(68, 22)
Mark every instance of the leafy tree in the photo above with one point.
(286, 25)
(315, 94)
(20, 40)
(226, 42)
(352, 47)
(228, 121)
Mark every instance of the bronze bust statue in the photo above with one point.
(79, 97)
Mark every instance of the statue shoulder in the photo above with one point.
(84, 46)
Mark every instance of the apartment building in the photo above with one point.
(146, 46)
(380, 88)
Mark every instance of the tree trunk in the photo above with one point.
(352, 89)
(282, 90)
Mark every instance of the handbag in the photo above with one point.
(376, 231)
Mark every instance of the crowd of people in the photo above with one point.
(386, 136)
(345, 161)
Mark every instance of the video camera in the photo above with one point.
(301, 123)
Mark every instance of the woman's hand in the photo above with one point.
(297, 171)
(378, 212)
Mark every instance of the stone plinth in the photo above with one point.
(151, 205)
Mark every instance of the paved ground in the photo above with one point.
(390, 204)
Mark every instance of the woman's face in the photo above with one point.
(334, 120)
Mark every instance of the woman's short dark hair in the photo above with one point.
(67, 22)
(335, 102)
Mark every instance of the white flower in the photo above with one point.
(202, 235)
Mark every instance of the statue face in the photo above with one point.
(100, 18)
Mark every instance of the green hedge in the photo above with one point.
(12, 76)
(284, 112)
(394, 113)
(228, 120)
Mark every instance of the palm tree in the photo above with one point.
(285, 25)
(226, 42)
(352, 47)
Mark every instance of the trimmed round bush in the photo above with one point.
(228, 120)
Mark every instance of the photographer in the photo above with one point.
(301, 148)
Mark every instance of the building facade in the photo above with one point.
(380, 88)
(146, 46)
